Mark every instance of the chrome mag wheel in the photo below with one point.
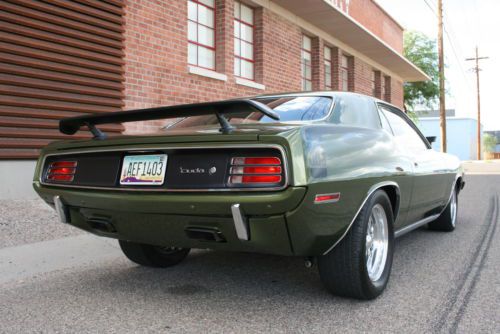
(377, 242)
(453, 208)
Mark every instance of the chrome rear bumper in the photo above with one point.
(61, 209)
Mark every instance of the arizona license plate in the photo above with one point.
(143, 170)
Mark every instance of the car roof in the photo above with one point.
(328, 93)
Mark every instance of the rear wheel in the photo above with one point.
(360, 265)
(448, 219)
(153, 256)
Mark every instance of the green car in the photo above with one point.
(332, 177)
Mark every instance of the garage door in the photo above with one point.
(58, 58)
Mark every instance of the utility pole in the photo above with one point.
(442, 107)
(477, 69)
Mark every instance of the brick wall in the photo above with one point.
(156, 69)
(281, 48)
(362, 77)
(396, 97)
(376, 19)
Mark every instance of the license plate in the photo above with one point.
(143, 170)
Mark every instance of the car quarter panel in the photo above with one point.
(345, 160)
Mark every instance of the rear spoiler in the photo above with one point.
(71, 125)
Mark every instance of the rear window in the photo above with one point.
(290, 109)
(296, 109)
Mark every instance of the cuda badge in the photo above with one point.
(197, 170)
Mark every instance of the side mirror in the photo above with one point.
(431, 139)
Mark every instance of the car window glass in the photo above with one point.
(403, 132)
(289, 108)
(298, 108)
(355, 110)
(385, 123)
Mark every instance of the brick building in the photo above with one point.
(62, 58)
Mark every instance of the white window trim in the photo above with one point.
(241, 40)
(206, 73)
(249, 83)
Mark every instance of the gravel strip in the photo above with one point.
(28, 221)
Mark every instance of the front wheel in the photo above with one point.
(448, 218)
(360, 265)
(153, 256)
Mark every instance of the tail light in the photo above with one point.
(257, 171)
(61, 171)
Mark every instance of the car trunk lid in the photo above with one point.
(178, 136)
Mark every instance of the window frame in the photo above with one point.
(401, 114)
(240, 40)
(198, 44)
(304, 65)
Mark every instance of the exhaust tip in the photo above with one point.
(101, 225)
(205, 234)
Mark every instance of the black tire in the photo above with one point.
(153, 256)
(447, 220)
(344, 270)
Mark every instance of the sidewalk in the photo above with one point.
(481, 167)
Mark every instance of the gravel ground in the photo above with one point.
(28, 221)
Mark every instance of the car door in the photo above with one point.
(428, 180)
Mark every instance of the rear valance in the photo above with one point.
(71, 125)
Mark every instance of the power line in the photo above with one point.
(431, 8)
(457, 58)
(450, 40)
(450, 31)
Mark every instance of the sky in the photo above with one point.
(467, 23)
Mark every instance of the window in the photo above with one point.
(385, 123)
(382, 87)
(201, 33)
(403, 131)
(374, 83)
(387, 88)
(328, 67)
(297, 108)
(243, 41)
(306, 63)
(344, 73)
(290, 109)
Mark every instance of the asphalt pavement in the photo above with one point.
(54, 279)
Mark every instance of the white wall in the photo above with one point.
(461, 135)
(16, 177)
